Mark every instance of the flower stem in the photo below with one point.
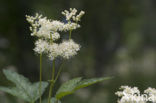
(59, 72)
(40, 86)
(52, 82)
(70, 34)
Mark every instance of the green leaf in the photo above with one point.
(53, 100)
(67, 88)
(71, 86)
(88, 82)
(14, 91)
(34, 89)
(23, 89)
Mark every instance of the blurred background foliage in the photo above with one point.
(118, 38)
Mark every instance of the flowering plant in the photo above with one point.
(48, 33)
(133, 95)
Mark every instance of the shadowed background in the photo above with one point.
(118, 38)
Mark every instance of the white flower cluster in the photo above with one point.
(151, 92)
(72, 15)
(48, 31)
(133, 95)
(41, 46)
(69, 48)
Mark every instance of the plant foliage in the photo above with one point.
(23, 88)
(71, 86)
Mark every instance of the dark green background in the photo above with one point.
(118, 38)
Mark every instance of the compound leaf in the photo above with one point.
(23, 88)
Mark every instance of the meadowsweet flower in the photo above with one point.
(46, 28)
(69, 49)
(133, 95)
(151, 92)
(72, 15)
(69, 14)
(52, 26)
(57, 25)
(34, 23)
(78, 17)
(130, 95)
(48, 31)
(43, 27)
(53, 51)
(71, 26)
(128, 90)
(72, 19)
(41, 46)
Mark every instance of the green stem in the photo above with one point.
(59, 72)
(52, 82)
(70, 34)
(40, 86)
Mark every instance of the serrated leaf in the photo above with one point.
(67, 88)
(88, 82)
(23, 89)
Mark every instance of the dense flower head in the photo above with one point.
(69, 48)
(41, 46)
(48, 31)
(151, 92)
(71, 26)
(57, 25)
(53, 51)
(133, 95)
(43, 27)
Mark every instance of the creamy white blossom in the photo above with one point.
(43, 27)
(71, 26)
(57, 25)
(129, 95)
(133, 95)
(53, 26)
(41, 46)
(33, 20)
(46, 28)
(68, 49)
(78, 17)
(72, 19)
(151, 93)
(48, 31)
(71, 15)
(53, 51)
